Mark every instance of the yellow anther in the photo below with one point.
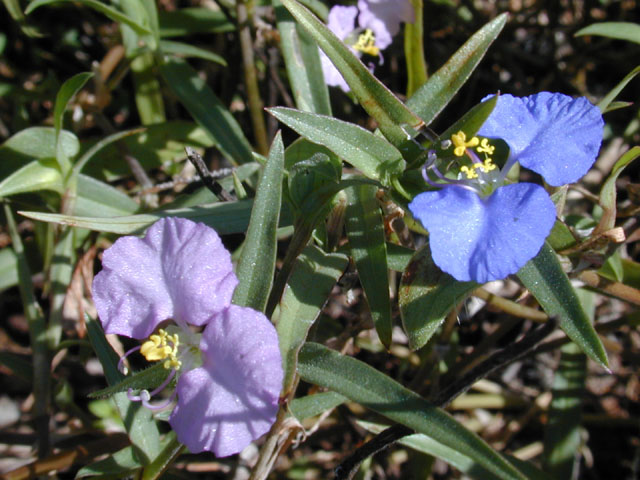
(486, 147)
(469, 172)
(460, 142)
(162, 346)
(488, 165)
(367, 43)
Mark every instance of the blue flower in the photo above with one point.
(482, 229)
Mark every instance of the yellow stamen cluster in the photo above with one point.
(367, 43)
(470, 172)
(483, 146)
(162, 346)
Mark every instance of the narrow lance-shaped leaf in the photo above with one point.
(429, 100)
(368, 248)
(392, 115)
(426, 295)
(313, 276)
(258, 261)
(373, 156)
(65, 94)
(544, 278)
(138, 421)
(225, 218)
(608, 193)
(562, 431)
(207, 110)
(302, 60)
(110, 12)
(620, 30)
(365, 385)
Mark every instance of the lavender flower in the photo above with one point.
(230, 375)
(481, 229)
(378, 22)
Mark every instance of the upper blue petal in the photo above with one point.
(485, 239)
(550, 133)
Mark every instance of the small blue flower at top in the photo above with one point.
(481, 227)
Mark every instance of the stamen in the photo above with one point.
(460, 142)
(486, 147)
(145, 396)
(122, 368)
(367, 43)
(162, 346)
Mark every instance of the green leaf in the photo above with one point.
(562, 439)
(398, 257)
(426, 295)
(618, 30)
(186, 50)
(607, 104)
(35, 143)
(312, 405)
(365, 231)
(100, 199)
(544, 278)
(19, 366)
(373, 156)
(459, 460)
(257, 264)
(118, 465)
(207, 110)
(187, 21)
(309, 175)
(138, 421)
(148, 378)
(225, 218)
(374, 390)
(314, 275)
(302, 60)
(67, 91)
(608, 193)
(391, 114)
(8, 268)
(433, 96)
(35, 176)
(103, 8)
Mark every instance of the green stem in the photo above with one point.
(244, 10)
(414, 50)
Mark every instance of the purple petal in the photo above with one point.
(233, 398)
(332, 76)
(550, 133)
(342, 20)
(180, 270)
(383, 17)
(478, 239)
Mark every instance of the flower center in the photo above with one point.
(475, 176)
(162, 346)
(366, 43)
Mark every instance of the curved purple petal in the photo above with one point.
(550, 133)
(233, 398)
(342, 22)
(180, 270)
(485, 239)
(383, 17)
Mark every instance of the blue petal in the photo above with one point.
(485, 239)
(550, 133)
